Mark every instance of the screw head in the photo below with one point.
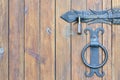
(1, 51)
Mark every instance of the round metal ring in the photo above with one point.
(94, 66)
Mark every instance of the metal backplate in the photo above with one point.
(94, 53)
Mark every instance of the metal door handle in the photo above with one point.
(94, 66)
(90, 16)
(94, 52)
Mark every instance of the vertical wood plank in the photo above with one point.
(32, 57)
(63, 71)
(16, 39)
(94, 5)
(47, 38)
(115, 46)
(4, 39)
(78, 42)
(115, 53)
(107, 43)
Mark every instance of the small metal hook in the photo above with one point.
(79, 25)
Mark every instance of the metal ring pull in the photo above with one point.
(94, 66)
(94, 53)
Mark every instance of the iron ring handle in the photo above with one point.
(94, 66)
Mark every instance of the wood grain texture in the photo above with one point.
(32, 40)
(16, 40)
(39, 45)
(47, 39)
(78, 42)
(4, 39)
(107, 43)
(115, 46)
(63, 71)
(115, 53)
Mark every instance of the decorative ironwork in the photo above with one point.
(94, 53)
(91, 16)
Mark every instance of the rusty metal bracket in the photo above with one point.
(91, 16)
(94, 53)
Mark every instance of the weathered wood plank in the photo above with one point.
(63, 71)
(32, 40)
(115, 46)
(4, 39)
(115, 53)
(107, 43)
(47, 39)
(78, 42)
(16, 40)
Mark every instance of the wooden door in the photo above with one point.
(39, 45)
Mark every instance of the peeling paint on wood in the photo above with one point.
(67, 32)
